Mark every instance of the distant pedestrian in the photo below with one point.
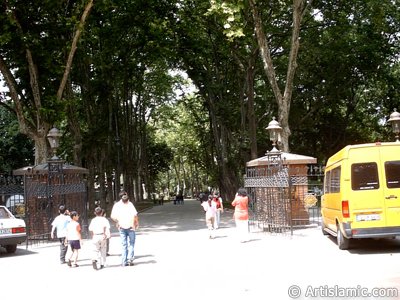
(203, 197)
(100, 229)
(241, 214)
(220, 209)
(59, 226)
(74, 239)
(179, 199)
(159, 198)
(125, 215)
(210, 209)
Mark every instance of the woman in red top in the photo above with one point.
(241, 214)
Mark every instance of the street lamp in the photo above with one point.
(395, 120)
(54, 140)
(274, 133)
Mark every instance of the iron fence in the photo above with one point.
(283, 198)
(36, 194)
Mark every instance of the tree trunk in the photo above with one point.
(251, 116)
(74, 127)
(284, 100)
(37, 129)
(41, 153)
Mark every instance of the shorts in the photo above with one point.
(75, 244)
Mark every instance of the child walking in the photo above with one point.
(100, 229)
(210, 208)
(74, 238)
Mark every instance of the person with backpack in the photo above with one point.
(220, 209)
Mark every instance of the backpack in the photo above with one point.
(217, 201)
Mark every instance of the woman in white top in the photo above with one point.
(210, 208)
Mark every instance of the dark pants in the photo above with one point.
(63, 249)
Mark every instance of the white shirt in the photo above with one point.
(73, 231)
(124, 214)
(60, 224)
(210, 210)
(100, 225)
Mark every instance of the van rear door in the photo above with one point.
(367, 205)
(390, 161)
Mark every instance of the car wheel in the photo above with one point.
(11, 248)
(342, 241)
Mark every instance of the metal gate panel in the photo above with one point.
(269, 190)
(283, 198)
(35, 194)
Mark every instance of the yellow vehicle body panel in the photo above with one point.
(365, 179)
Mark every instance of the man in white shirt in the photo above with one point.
(125, 215)
(59, 224)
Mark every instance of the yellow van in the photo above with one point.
(362, 193)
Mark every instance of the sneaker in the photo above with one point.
(131, 262)
(94, 264)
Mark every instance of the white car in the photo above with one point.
(12, 230)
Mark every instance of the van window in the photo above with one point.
(335, 180)
(364, 176)
(332, 181)
(392, 170)
(327, 180)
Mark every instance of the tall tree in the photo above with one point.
(299, 7)
(33, 64)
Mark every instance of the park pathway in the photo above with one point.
(175, 260)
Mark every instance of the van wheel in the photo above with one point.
(342, 241)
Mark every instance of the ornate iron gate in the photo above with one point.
(46, 191)
(283, 197)
(269, 191)
(44, 188)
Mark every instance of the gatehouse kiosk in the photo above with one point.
(280, 190)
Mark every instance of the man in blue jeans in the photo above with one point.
(125, 215)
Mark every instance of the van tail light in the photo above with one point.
(345, 209)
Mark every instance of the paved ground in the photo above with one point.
(176, 260)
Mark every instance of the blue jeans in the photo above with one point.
(128, 237)
(63, 249)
